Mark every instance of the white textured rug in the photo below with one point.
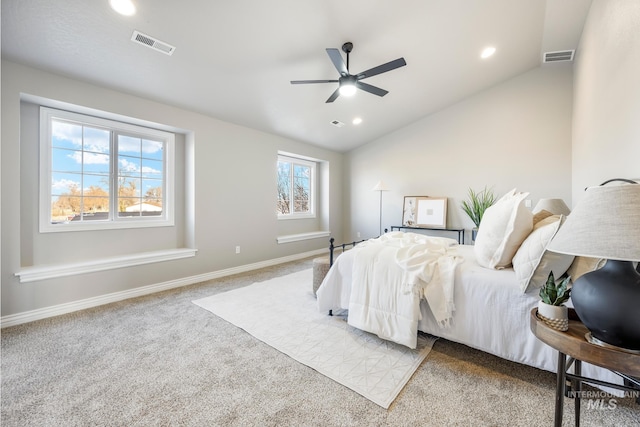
(283, 313)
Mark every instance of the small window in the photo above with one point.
(296, 188)
(98, 173)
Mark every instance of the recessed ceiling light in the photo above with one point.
(123, 7)
(487, 52)
(357, 121)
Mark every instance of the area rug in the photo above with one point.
(283, 313)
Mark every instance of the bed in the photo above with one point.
(491, 312)
(490, 298)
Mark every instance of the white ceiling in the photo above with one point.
(234, 60)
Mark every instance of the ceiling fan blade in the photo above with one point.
(333, 96)
(371, 89)
(400, 62)
(337, 60)
(304, 82)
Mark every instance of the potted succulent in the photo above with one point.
(551, 308)
(477, 203)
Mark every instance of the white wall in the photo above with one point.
(516, 134)
(235, 188)
(606, 118)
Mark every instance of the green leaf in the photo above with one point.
(477, 203)
(555, 294)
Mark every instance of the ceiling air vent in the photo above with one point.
(153, 43)
(559, 56)
(337, 123)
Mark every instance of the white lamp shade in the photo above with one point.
(380, 186)
(555, 206)
(604, 224)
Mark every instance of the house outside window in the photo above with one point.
(296, 188)
(97, 173)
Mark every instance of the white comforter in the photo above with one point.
(491, 312)
(390, 275)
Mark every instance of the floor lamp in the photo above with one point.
(380, 187)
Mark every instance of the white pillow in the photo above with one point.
(503, 228)
(582, 265)
(532, 263)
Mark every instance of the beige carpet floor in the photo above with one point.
(283, 312)
(160, 360)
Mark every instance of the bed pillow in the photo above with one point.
(532, 263)
(503, 228)
(582, 265)
(539, 216)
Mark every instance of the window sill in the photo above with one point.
(296, 216)
(302, 236)
(47, 227)
(52, 271)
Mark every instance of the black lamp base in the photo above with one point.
(608, 302)
(596, 341)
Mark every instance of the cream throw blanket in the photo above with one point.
(390, 276)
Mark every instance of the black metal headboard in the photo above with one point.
(332, 246)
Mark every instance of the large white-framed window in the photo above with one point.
(296, 188)
(97, 173)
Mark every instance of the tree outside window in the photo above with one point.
(295, 187)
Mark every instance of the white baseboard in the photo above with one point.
(57, 310)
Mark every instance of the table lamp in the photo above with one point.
(606, 224)
(555, 206)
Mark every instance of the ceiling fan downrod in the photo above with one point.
(347, 48)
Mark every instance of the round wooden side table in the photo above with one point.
(573, 348)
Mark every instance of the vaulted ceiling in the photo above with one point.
(234, 60)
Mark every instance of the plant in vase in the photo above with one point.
(477, 203)
(551, 308)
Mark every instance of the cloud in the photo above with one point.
(97, 140)
(90, 158)
(127, 166)
(148, 170)
(62, 185)
(129, 144)
(94, 139)
(151, 146)
(67, 132)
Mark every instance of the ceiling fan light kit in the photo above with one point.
(348, 83)
(347, 86)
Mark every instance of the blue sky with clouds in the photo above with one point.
(81, 155)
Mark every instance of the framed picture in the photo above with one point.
(424, 211)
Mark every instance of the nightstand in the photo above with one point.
(573, 349)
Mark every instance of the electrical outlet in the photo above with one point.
(358, 234)
(527, 203)
(237, 249)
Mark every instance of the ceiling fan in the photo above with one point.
(348, 83)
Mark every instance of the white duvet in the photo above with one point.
(390, 275)
(490, 311)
